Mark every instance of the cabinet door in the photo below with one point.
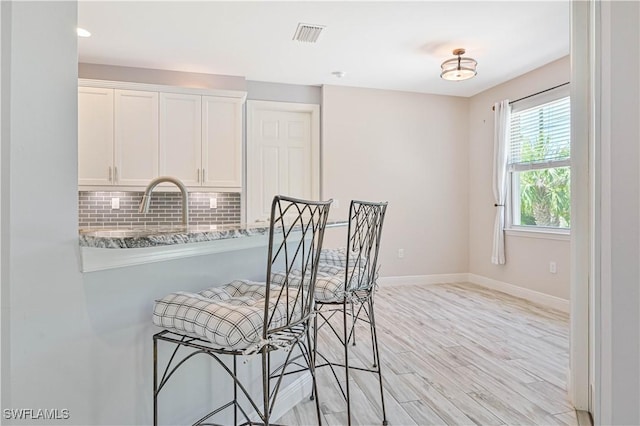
(136, 137)
(95, 136)
(280, 156)
(222, 142)
(181, 137)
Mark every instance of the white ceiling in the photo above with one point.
(387, 45)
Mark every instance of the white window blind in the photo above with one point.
(541, 136)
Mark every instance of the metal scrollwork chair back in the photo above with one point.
(346, 287)
(246, 318)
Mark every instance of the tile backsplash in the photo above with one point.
(166, 209)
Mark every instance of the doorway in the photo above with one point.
(283, 154)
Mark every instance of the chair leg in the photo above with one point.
(155, 382)
(265, 387)
(312, 369)
(353, 324)
(346, 359)
(235, 392)
(314, 350)
(373, 334)
(377, 357)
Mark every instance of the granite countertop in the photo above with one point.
(119, 238)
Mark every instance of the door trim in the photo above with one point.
(314, 110)
(581, 214)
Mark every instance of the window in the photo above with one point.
(539, 163)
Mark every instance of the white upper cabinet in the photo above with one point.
(180, 137)
(95, 136)
(127, 137)
(201, 140)
(136, 137)
(117, 137)
(222, 142)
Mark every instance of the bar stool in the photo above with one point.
(346, 285)
(244, 318)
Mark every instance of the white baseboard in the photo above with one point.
(423, 279)
(521, 292)
(547, 300)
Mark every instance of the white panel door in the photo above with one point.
(222, 142)
(180, 137)
(136, 137)
(281, 156)
(95, 136)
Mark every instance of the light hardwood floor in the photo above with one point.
(454, 354)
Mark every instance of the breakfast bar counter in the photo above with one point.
(102, 249)
(123, 238)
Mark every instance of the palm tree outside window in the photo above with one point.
(540, 163)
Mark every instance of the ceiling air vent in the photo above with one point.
(308, 33)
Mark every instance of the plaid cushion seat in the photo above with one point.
(329, 288)
(330, 281)
(336, 257)
(327, 269)
(230, 317)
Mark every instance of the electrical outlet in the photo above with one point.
(552, 267)
(400, 253)
(213, 203)
(336, 204)
(115, 203)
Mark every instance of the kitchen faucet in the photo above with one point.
(146, 198)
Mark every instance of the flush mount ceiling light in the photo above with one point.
(458, 69)
(82, 32)
(338, 74)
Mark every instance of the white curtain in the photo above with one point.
(500, 154)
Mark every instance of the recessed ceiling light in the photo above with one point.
(82, 32)
(338, 74)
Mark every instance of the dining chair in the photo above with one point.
(245, 318)
(345, 287)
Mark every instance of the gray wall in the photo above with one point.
(409, 149)
(278, 92)
(153, 76)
